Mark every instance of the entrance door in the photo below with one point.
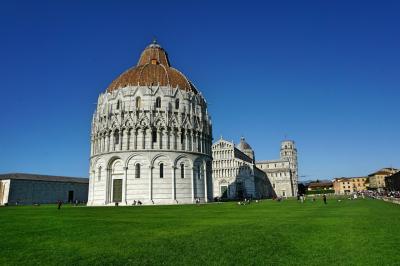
(224, 192)
(240, 190)
(117, 190)
(71, 196)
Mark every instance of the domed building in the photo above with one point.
(151, 137)
(245, 147)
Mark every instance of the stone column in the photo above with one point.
(175, 142)
(202, 143)
(192, 184)
(173, 183)
(107, 186)
(179, 137)
(151, 184)
(159, 135)
(107, 142)
(199, 141)
(91, 147)
(121, 139)
(191, 140)
(143, 138)
(128, 139)
(91, 187)
(205, 182)
(112, 141)
(124, 185)
(186, 141)
(194, 137)
(134, 136)
(100, 143)
(169, 135)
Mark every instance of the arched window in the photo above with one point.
(137, 170)
(138, 102)
(154, 136)
(118, 104)
(177, 104)
(158, 102)
(116, 137)
(182, 170)
(161, 170)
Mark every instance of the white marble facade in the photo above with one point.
(151, 138)
(235, 176)
(283, 173)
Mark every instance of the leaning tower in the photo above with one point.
(289, 153)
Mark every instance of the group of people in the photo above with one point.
(302, 198)
(247, 201)
(137, 203)
(60, 203)
(277, 198)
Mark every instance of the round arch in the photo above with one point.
(158, 156)
(183, 157)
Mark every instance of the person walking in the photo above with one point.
(59, 203)
(324, 197)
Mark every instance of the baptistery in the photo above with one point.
(151, 137)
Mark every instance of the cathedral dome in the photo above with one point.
(243, 145)
(152, 69)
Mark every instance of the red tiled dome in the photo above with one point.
(153, 68)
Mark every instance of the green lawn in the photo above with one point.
(360, 232)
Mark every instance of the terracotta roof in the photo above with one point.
(152, 69)
(320, 184)
(341, 179)
(48, 178)
(380, 173)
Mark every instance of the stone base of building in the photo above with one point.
(147, 202)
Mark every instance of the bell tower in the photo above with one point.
(289, 153)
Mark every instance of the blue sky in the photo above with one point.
(324, 73)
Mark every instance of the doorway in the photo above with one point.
(224, 192)
(117, 190)
(71, 196)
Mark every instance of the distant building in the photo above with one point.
(377, 179)
(374, 181)
(234, 173)
(320, 187)
(393, 182)
(347, 185)
(360, 183)
(283, 173)
(19, 188)
(343, 185)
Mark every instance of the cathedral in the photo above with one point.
(236, 173)
(151, 137)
